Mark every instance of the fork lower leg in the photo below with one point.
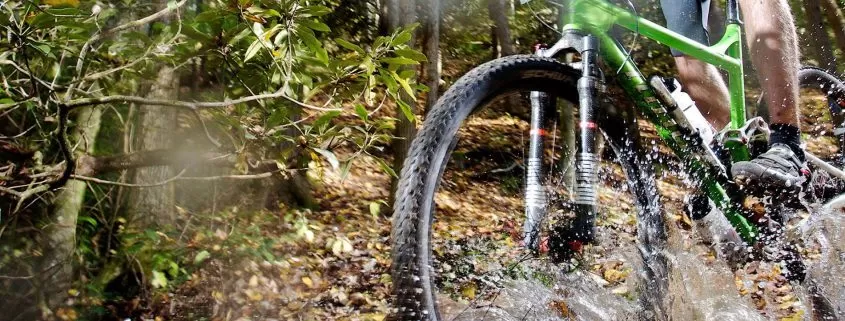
(586, 192)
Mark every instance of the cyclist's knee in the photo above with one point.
(691, 70)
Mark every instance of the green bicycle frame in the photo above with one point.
(596, 17)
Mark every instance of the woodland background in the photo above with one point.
(202, 159)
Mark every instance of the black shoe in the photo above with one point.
(777, 168)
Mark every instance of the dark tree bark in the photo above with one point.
(60, 231)
(401, 13)
(819, 44)
(152, 207)
(431, 48)
(498, 11)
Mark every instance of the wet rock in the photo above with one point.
(574, 296)
(700, 289)
(587, 300)
(825, 284)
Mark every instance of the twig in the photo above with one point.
(4, 190)
(106, 182)
(15, 104)
(179, 177)
(186, 104)
(205, 129)
(23, 196)
(101, 74)
(70, 162)
(147, 19)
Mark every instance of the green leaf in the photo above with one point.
(380, 41)
(348, 45)
(258, 29)
(308, 37)
(403, 37)
(192, 32)
(375, 208)
(201, 256)
(315, 25)
(277, 117)
(404, 83)
(252, 50)
(209, 16)
(329, 157)
(399, 61)
(89, 220)
(386, 168)
(316, 11)
(361, 112)
(159, 280)
(388, 80)
(238, 37)
(44, 48)
(411, 54)
(344, 169)
(406, 109)
(152, 235)
(325, 119)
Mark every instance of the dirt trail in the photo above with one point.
(332, 264)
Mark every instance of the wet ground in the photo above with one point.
(700, 288)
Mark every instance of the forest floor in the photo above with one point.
(332, 263)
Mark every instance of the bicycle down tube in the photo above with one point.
(596, 17)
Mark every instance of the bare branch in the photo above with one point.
(4, 190)
(186, 104)
(205, 129)
(89, 165)
(147, 19)
(102, 181)
(179, 177)
(15, 104)
(80, 62)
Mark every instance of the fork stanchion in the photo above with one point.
(586, 192)
(535, 193)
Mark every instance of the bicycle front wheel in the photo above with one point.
(414, 291)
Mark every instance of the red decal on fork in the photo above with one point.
(588, 124)
(539, 132)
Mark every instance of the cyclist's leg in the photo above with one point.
(774, 52)
(770, 31)
(701, 80)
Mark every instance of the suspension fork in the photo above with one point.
(586, 170)
(536, 204)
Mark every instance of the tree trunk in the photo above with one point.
(154, 207)
(817, 37)
(60, 232)
(834, 19)
(431, 44)
(498, 10)
(401, 13)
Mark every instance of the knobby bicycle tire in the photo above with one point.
(414, 292)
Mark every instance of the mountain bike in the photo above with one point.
(578, 69)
